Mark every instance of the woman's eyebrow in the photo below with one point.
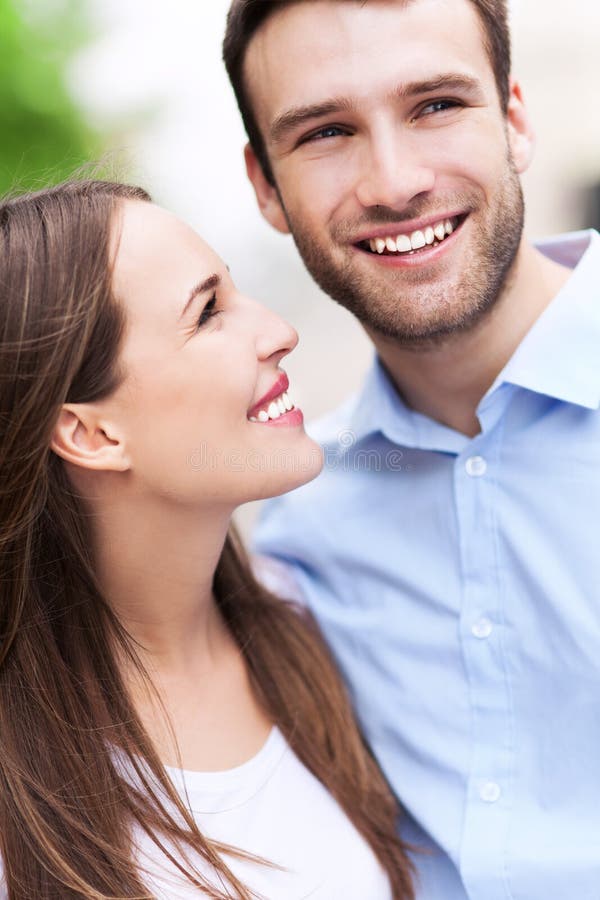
(208, 284)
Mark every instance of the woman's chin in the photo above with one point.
(284, 471)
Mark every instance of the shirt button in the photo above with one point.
(482, 628)
(476, 466)
(490, 792)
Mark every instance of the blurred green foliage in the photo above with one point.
(43, 136)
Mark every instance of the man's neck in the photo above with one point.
(447, 381)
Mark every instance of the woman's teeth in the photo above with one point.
(275, 409)
(407, 243)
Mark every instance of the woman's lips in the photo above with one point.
(276, 407)
(292, 417)
(280, 387)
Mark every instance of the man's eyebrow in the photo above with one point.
(202, 287)
(448, 81)
(299, 115)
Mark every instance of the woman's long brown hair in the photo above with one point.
(77, 770)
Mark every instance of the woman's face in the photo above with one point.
(200, 409)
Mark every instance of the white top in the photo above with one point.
(275, 808)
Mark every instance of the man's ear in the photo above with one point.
(521, 135)
(266, 194)
(81, 438)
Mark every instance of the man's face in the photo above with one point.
(383, 121)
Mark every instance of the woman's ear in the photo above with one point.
(521, 136)
(267, 195)
(83, 439)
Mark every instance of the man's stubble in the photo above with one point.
(409, 306)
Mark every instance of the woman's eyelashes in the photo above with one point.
(208, 312)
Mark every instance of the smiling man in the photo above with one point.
(448, 548)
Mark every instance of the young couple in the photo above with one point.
(170, 729)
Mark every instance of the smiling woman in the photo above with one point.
(168, 729)
(199, 358)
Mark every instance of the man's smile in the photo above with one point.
(411, 245)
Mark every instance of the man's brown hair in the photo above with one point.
(245, 17)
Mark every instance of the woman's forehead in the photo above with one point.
(157, 256)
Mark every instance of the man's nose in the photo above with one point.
(392, 173)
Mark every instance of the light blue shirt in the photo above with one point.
(457, 581)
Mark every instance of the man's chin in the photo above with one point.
(418, 338)
(443, 325)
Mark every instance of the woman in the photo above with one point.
(167, 728)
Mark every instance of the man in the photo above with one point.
(449, 548)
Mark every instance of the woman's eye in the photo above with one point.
(208, 312)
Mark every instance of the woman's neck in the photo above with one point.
(156, 566)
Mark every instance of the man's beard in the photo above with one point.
(409, 305)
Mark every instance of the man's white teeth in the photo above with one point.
(276, 408)
(417, 240)
(404, 243)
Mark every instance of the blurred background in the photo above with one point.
(143, 81)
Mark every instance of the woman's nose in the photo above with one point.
(274, 335)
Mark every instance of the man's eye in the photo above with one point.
(328, 131)
(208, 312)
(439, 106)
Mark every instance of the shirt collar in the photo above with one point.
(379, 408)
(377, 404)
(560, 355)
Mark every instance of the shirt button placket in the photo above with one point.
(485, 821)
